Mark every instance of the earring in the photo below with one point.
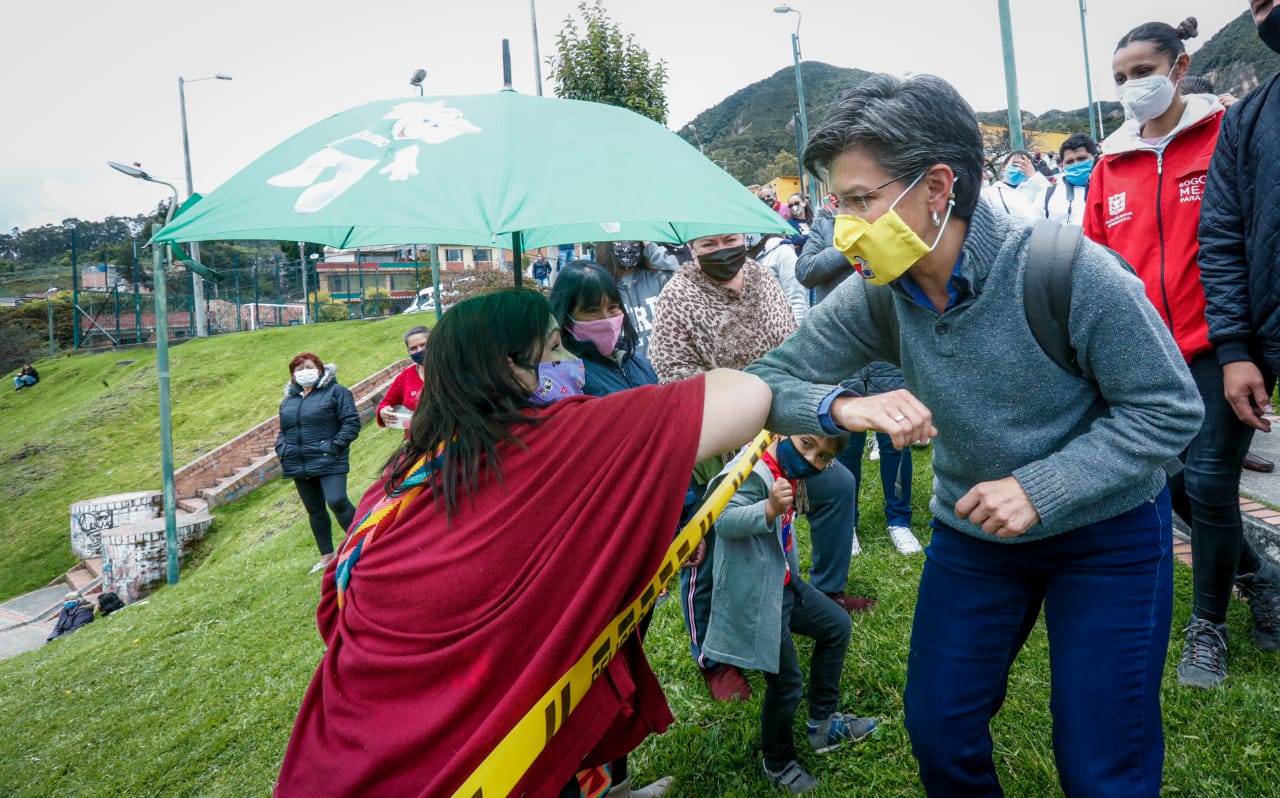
(936, 220)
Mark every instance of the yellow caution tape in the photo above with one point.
(508, 762)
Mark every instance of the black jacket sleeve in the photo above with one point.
(1224, 269)
(348, 418)
(820, 262)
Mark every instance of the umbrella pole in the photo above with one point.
(517, 247)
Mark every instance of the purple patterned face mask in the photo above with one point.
(558, 379)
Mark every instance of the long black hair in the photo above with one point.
(471, 400)
(585, 284)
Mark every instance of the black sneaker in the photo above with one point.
(793, 777)
(1262, 591)
(1204, 655)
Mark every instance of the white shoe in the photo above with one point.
(904, 541)
(856, 548)
(875, 448)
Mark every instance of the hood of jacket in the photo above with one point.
(1126, 138)
(329, 376)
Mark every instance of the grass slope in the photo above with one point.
(194, 693)
(91, 427)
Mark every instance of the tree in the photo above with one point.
(601, 65)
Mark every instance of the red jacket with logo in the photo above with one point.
(1144, 203)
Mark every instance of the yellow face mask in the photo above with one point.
(882, 251)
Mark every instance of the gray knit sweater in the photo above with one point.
(1084, 449)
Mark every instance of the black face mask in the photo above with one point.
(1269, 30)
(722, 264)
(627, 254)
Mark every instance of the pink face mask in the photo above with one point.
(604, 333)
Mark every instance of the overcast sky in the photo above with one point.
(87, 82)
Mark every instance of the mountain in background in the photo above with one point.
(751, 133)
(1235, 59)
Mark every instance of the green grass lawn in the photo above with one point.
(91, 427)
(194, 692)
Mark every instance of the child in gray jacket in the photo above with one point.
(758, 601)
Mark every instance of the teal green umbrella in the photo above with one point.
(474, 170)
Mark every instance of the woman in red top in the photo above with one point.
(482, 591)
(1144, 202)
(407, 386)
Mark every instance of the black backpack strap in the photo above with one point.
(884, 316)
(1051, 254)
(1049, 195)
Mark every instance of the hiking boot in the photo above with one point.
(856, 548)
(851, 604)
(835, 731)
(793, 777)
(726, 683)
(623, 789)
(1262, 591)
(904, 541)
(1204, 656)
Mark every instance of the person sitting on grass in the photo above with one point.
(758, 600)
(76, 612)
(26, 378)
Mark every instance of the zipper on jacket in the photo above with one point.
(1164, 291)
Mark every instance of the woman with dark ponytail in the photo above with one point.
(1145, 203)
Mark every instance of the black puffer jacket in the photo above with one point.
(1239, 237)
(316, 429)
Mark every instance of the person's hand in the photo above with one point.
(781, 497)
(698, 557)
(1002, 508)
(1227, 100)
(1246, 391)
(387, 415)
(899, 414)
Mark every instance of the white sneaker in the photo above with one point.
(904, 541)
(856, 548)
(875, 448)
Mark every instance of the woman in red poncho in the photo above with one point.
(459, 614)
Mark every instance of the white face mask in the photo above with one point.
(306, 377)
(1146, 98)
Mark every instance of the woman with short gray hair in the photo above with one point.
(1049, 490)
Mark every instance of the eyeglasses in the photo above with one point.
(862, 201)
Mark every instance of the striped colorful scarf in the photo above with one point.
(382, 516)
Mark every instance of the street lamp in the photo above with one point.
(48, 301)
(1010, 76)
(1095, 126)
(315, 313)
(419, 75)
(197, 282)
(804, 118)
(694, 131)
(162, 371)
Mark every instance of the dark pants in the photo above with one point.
(1107, 593)
(806, 612)
(832, 504)
(895, 476)
(1206, 494)
(316, 492)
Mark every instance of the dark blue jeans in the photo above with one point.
(804, 612)
(895, 475)
(1107, 594)
(1207, 495)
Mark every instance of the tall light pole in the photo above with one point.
(698, 138)
(197, 282)
(302, 261)
(804, 117)
(537, 59)
(162, 372)
(1010, 77)
(48, 301)
(416, 79)
(1088, 76)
